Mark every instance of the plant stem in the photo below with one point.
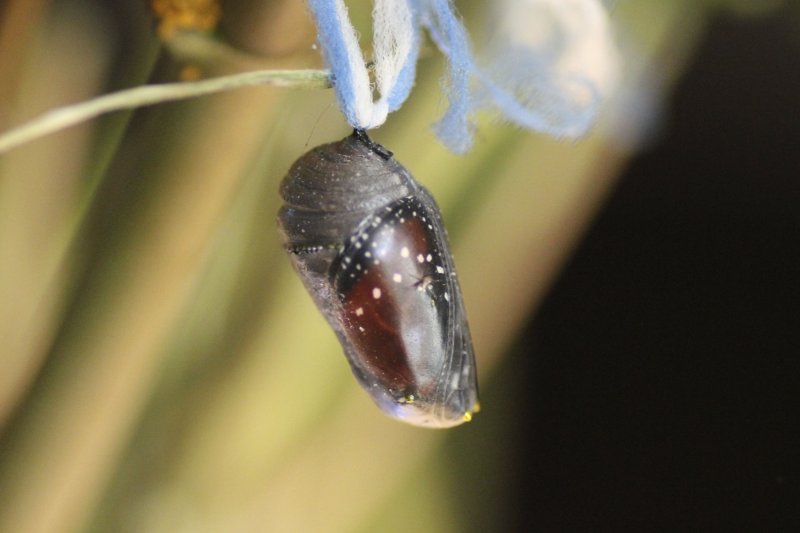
(64, 117)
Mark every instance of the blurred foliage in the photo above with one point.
(162, 369)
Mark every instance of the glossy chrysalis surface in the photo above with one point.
(368, 242)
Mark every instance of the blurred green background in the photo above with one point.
(161, 367)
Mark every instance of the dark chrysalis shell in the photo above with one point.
(368, 242)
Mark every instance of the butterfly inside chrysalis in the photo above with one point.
(368, 243)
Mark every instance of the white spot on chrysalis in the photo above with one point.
(376, 293)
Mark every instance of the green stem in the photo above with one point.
(64, 117)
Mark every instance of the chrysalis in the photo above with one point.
(368, 242)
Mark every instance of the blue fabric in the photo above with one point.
(515, 84)
(454, 129)
(330, 35)
(471, 88)
(405, 80)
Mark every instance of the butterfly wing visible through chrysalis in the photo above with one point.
(402, 317)
(375, 257)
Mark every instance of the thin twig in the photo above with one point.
(64, 117)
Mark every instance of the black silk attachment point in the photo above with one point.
(368, 243)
